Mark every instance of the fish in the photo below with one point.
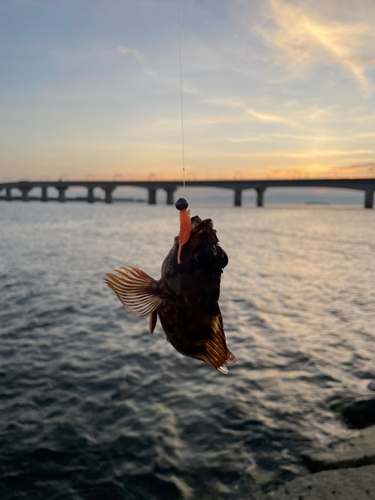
(185, 298)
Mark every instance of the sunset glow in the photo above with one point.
(271, 89)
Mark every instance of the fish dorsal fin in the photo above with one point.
(135, 289)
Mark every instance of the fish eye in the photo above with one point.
(205, 255)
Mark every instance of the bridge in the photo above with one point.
(260, 186)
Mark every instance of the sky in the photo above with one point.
(271, 89)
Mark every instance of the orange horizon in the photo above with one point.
(192, 179)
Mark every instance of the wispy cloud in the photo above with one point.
(300, 137)
(153, 122)
(364, 167)
(305, 39)
(229, 102)
(352, 171)
(127, 50)
(259, 116)
(190, 90)
(214, 120)
(308, 154)
(263, 117)
(365, 118)
(290, 173)
(167, 81)
(97, 146)
(317, 113)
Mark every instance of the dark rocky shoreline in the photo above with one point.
(344, 470)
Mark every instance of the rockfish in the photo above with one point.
(186, 297)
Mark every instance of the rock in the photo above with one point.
(371, 385)
(344, 484)
(338, 401)
(363, 374)
(359, 414)
(356, 452)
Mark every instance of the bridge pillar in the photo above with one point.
(90, 195)
(260, 196)
(44, 196)
(237, 197)
(61, 190)
(25, 192)
(151, 196)
(108, 193)
(369, 198)
(8, 195)
(170, 191)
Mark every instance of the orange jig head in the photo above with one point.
(185, 225)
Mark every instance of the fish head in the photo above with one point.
(201, 252)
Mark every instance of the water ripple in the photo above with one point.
(95, 407)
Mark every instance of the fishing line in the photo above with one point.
(181, 98)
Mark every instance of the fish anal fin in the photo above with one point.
(136, 290)
(153, 320)
(217, 353)
(222, 369)
(231, 358)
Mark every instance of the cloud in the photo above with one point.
(190, 90)
(305, 39)
(352, 171)
(263, 117)
(366, 167)
(127, 50)
(367, 118)
(288, 173)
(308, 154)
(214, 120)
(97, 146)
(226, 102)
(300, 137)
(363, 60)
(153, 122)
(160, 78)
(267, 138)
(318, 112)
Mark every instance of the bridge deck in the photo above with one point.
(363, 184)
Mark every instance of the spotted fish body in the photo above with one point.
(185, 299)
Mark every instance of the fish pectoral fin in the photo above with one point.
(136, 290)
(153, 320)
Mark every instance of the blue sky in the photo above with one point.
(271, 89)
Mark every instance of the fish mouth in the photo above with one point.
(199, 226)
(200, 229)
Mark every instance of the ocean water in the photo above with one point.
(94, 407)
